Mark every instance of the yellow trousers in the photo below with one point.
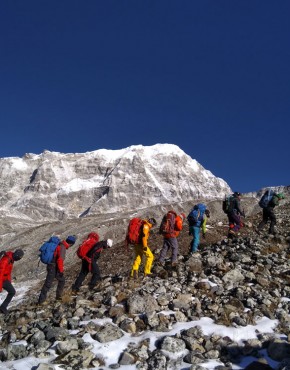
(139, 252)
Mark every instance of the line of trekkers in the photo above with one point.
(53, 251)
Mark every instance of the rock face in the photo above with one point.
(56, 186)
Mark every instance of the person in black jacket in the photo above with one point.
(268, 214)
(234, 214)
(89, 264)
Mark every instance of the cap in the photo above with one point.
(280, 196)
(152, 221)
(71, 239)
(236, 193)
(109, 243)
(18, 254)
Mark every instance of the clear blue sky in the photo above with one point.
(209, 76)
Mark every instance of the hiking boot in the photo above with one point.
(150, 275)
(42, 303)
(4, 310)
(174, 264)
(135, 274)
(74, 292)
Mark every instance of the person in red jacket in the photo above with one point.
(170, 236)
(55, 270)
(6, 266)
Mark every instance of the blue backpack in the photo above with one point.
(47, 249)
(266, 198)
(195, 216)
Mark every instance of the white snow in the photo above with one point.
(111, 351)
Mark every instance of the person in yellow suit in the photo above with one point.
(143, 250)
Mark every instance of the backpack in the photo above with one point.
(87, 245)
(195, 216)
(167, 225)
(47, 249)
(266, 198)
(135, 231)
(227, 203)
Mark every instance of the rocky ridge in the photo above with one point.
(232, 282)
(55, 186)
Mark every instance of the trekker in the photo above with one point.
(55, 270)
(234, 214)
(197, 219)
(142, 249)
(6, 267)
(89, 264)
(170, 228)
(268, 213)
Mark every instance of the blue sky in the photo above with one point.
(209, 76)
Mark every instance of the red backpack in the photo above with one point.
(168, 223)
(135, 231)
(87, 245)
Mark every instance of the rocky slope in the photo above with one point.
(232, 282)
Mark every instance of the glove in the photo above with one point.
(59, 275)
(144, 249)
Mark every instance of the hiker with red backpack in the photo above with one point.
(6, 267)
(137, 235)
(197, 219)
(55, 269)
(89, 252)
(234, 213)
(170, 227)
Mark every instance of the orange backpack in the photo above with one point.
(135, 231)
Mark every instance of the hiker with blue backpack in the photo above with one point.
(52, 253)
(197, 219)
(268, 202)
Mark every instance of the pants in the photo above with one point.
(85, 269)
(11, 293)
(169, 243)
(139, 252)
(52, 273)
(234, 221)
(195, 230)
(268, 214)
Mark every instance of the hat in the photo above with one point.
(18, 254)
(109, 243)
(237, 194)
(182, 215)
(152, 221)
(71, 239)
(281, 196)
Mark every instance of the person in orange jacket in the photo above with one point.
(55, 270)
(6, 267)
(170, 236)
(143, 249)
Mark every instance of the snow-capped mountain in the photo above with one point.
(55, 186)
